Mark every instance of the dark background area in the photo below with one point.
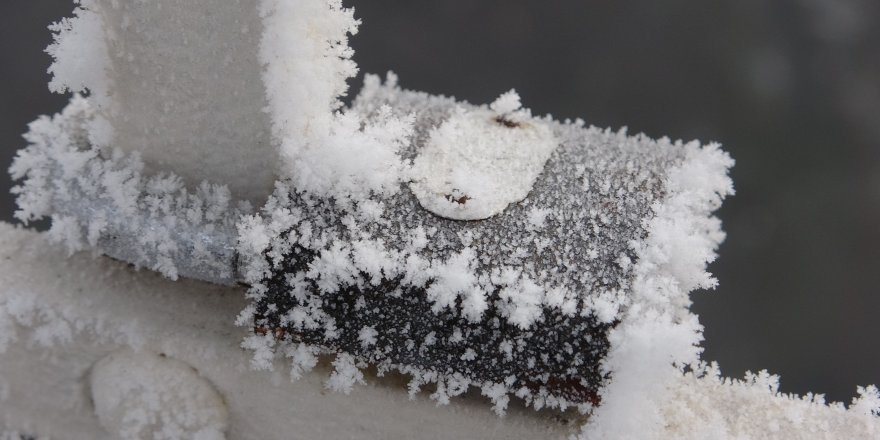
(790, 87)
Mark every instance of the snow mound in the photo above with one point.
(480, 160)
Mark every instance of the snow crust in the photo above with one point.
(479, 161)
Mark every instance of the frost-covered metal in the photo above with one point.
(104, 201)
(518, 303)
(507, 303)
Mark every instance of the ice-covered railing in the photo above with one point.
(467, 247)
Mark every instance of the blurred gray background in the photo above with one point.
(790, 87)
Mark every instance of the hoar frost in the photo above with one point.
(42, 294)
(465, 246)
(443, 295)
(106, 202)
(267, 108)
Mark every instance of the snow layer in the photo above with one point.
(703, 405)
(53, 335)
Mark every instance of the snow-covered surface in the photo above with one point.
(307, 62)
(703, 405)
(59, 316)
(509, 265)
(105, 201)
(527, 294)
(657, 330)
(52, 334)
(179, 82)
(480, 160)
(230, 92)
(143, 395)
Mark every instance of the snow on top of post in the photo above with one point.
(177, 82)
(236, 93)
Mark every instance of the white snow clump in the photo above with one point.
(480, 160)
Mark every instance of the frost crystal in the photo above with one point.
(345, 375)
(367, 336)
(307, 58)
